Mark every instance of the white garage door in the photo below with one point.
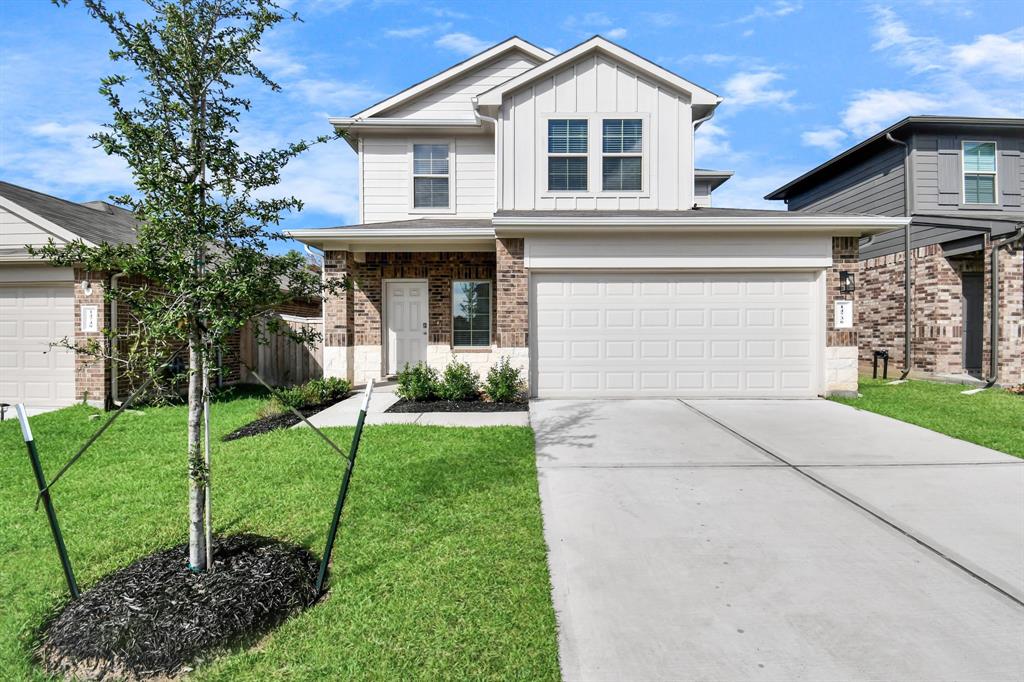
(747, 334)
(31, 317)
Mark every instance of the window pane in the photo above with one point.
(567, 136)
(622, 135)
(979, 189)
(430, 193)
(621, 173)
(430, 159)
(567, 173)
(471, 313)
(980, 157)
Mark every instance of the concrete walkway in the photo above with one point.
(346, 412)
(777, 540)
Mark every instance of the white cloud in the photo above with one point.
(891, 33)
(463, 43)
(278, 63)
(660, 19)
(777, 9)
(745, 190)
(1002, 55)
(755, 88)
(336, 94)
(829, 139)
(413, 32)
(615, 33)
(446, 13)
(872, 110)
(326, 180)
(712, 148)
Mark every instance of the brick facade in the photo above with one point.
(513, 309)
(937, 304)
(92, 374)
(840, 362)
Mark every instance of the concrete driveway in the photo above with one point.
(777, 540)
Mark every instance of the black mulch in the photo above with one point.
(157, 618)
(404, 405)
(285, 420)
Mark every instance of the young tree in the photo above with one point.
(204, 227)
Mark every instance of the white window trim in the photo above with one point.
(624, 155)
(447, 210)
(595, 155)
(964, 173)
(490, 314)
(548, 155)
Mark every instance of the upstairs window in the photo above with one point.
(567, 154)
(471, 313)
(430, 176)
(622, 149)
(979, 172)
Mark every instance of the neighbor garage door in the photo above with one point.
(753, 334)
(31, 372)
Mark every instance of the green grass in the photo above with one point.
(439, 572)
(993, 418)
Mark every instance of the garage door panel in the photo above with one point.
(31, 318)
(738, 334)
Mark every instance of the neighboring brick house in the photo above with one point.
(546, 209)
(960, 180)
(41, 304)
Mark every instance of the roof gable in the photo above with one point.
(461, 69)
(698, 95)
(94, 223)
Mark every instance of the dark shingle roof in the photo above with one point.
(95, 221)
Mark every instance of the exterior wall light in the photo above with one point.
(846, 282)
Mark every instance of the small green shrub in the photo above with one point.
(313, 392)
(417, 382)
(458, 382)
(504, 382)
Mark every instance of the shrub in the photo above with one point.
(504, 383)
(417, 382)
(458, 382)
(313, 392)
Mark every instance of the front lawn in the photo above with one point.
(439, 572)
(993, 418)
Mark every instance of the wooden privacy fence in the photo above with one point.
(282, 361)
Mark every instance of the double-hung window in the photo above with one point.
(471, 313)
(979, 172)
(430, 176)
(567, 154)
(622, 149)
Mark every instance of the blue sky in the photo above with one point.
(801, 80)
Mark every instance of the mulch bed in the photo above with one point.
(285, 420)
(404, 405)
(155, 618)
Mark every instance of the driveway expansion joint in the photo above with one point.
(863, 507)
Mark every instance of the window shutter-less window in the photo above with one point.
(430, 176)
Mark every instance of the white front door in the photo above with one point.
(728, 334)
(406, 310)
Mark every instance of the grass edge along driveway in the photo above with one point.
(992, 418)
(440, 571)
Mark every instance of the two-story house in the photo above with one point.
(960, 181)
(546, 209)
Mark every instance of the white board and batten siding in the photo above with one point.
(597, 87)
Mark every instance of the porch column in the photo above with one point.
(840, 344)
(512, 304)
(339, 318)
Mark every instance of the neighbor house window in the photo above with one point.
(622, 147)
(430, 176)
(979, 172)
(471, 313)
(567, 154)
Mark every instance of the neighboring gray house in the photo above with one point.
(961, 180)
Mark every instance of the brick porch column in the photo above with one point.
(92, 374)
(840, 344)
(339, 318)
(512, 302)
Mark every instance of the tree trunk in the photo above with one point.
(196, 466)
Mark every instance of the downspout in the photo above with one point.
(696, 124)
(990, 381)
(113, 346)
(908, 311)
(497, 140)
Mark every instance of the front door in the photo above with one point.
(406, 310)
(974, 321)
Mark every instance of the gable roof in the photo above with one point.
(843, 160)
(94, 222)
(698, 95)
(417, 89)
